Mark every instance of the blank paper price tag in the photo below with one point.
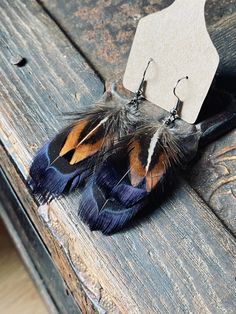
(177, 40)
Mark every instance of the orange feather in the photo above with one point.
(85, 150)
(72, 138)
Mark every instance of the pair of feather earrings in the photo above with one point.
(117, 155)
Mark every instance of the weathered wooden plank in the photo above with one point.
(180, 259)
(214, 178)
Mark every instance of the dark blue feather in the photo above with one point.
(108, 215)
(51, 177)
(108, 206)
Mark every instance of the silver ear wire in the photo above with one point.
(139, 94)
(177, 83)
(140, 89)
(174, 113)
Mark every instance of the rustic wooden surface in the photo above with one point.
(180, 259)
(105, 38)
(104, 30)
(214, 178)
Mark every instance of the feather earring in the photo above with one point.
(121, 187)
(70, 157)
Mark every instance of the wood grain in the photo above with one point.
(180, 259)
(215, 179)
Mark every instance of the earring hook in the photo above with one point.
(140, 89)
(177, 83)
(174, 112)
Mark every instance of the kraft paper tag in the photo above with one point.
(177, 40)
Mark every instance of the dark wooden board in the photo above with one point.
(180, 259)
